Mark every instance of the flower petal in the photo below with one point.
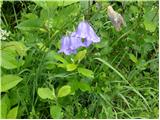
(84, 30)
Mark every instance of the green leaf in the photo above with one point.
(86, 72)
(71, 67)
(80, 55)
(30, 25)
(150, 26)
(84, 4)
(5, 106)
(46, 93)
(133, 58)
(56, 112)
(66, 2)
(59, 58)
(12, 114)
(151, 18)
(8, 60)
(84, 86)
(18, 47)
(10, 51)
(64, 91)
(9, 81)
(42, 4)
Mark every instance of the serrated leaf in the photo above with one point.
(133, 58)
(9, 81)
(56, 112)
(46, 93)
(5, 106)
(64, 91)
(80, 55)
(71, 67)
(86, 72)
(12, 114)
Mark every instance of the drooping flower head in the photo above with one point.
(116, 18)
(86, 32)
(83, 36)
(69, 44)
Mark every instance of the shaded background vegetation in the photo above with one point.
(133, 52)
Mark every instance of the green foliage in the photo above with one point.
(80, 55)
(5, 106)
(9, 81)
(86, 72)
(10, 51)
(56, 112)
(71, 67)
(64, 91)
(116, 78)
(46, 93)
(12, 114)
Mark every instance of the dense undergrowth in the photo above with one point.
(115, 78)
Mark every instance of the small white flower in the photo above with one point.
(4, 34)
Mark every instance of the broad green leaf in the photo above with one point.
(56, 112)
(17, 47)
(47, 4)
(5, 106)
(133, 9)
(80, 55)
(61, 65)
(84, 4)
(59, 58)
(46, 93)
(150, 26)
(9, 53)
(8, 60)
(50, 65)
(9, 81)
(150, 19)
(1, 3)
(84, 86)
(66, 2)
(86, 72)
(71, 67)
(133, 58)
(12, 114)
(64, 91)
(41, 3)
(30, 25)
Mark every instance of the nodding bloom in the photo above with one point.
(116, 18)
(69, 44)
(82, 37)
(86, 32)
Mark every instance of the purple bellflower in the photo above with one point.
(83, 36)
(70, 44)
(86, 32)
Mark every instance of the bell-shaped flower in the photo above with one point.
(86, 32)
(69, 44)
